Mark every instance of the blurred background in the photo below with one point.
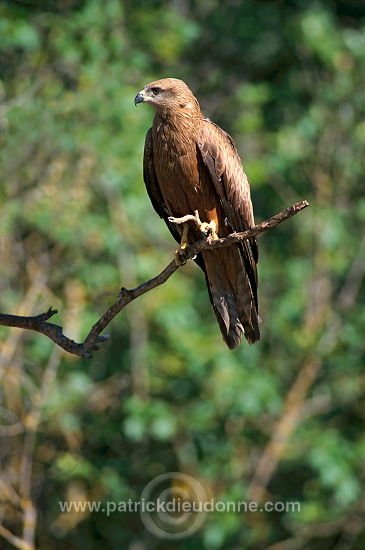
(280, 421)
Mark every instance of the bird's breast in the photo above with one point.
(185, 187)
(175, 161)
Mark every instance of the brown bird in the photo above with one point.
(192, 164)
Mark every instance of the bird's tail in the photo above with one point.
(232, 291)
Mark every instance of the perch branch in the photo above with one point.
(233, 238)
(39, 323)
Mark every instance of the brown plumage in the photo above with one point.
(191, 164)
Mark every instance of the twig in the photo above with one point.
(40, 322)
(14, 540)
(189, 217)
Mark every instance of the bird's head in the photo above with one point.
(168, 96)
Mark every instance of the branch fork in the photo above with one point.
(39, 323)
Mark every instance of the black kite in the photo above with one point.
(191, 164)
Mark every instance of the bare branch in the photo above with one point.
(252, 232)
(39, 323)
(14, 540)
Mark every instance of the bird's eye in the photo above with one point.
(156, 91)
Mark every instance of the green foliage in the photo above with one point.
(163, 394)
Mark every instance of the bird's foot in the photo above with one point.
(180, 258)
(209, 229)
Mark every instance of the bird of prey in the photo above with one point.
(191, 164)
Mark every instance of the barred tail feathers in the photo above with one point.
(232, 296)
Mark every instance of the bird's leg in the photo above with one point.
(179, 254)
(209, 229)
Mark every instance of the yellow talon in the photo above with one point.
(179, 257)
(179, 253)
(209, 229)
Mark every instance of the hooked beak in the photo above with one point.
(139, 98)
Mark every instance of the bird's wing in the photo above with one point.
(219, 155)
(153, 188)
